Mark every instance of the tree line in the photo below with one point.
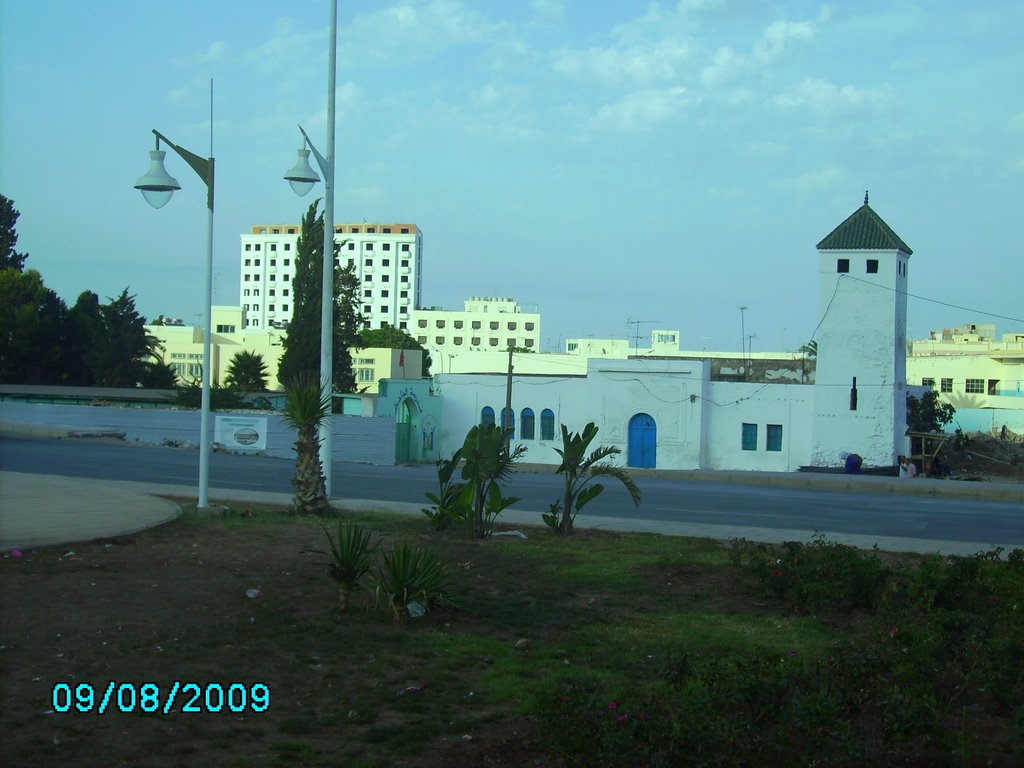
(43, 341)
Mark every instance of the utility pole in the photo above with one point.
(743, 340)
(507, 416)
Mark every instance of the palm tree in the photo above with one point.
(247, 372)
(486, 463)
(307, 405)
(579, 470)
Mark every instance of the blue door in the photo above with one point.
(643, 442)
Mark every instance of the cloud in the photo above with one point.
(824, 97)
(641, 110)
(638, 65)
(548, 8)
(815, 181)
(421, 30)
(727, 64)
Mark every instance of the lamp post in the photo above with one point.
(157, 186)
(302, 178)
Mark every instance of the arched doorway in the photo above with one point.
(643, 442)
(407, 427)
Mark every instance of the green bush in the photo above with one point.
(821, 574)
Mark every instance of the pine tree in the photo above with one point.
(301, 356)
(9, 258)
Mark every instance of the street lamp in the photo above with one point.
(302, 178)
(157, 186)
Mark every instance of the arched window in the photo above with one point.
(526, 424)
(509, 423)
(547, 424)
(486, 416)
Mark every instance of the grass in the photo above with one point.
(589, 619)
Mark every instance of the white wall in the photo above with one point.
(358, 439)
(790, 406)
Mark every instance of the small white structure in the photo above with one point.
(671, 413)
(486, 323)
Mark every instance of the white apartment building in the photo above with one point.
(388, 259)
(486, 323)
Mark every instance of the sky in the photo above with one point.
(619, 166)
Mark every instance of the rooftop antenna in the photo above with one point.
(636, 333)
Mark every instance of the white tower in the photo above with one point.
(860, 382)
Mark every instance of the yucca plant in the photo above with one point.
(410, 573)
(579, 470)
(350, 559)
(307, 406)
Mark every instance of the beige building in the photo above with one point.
(969, 367)
(388, 259)
(183, 350)
(485, 324)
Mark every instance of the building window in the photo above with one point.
(511, 326)
(486, 416)
(405, 262)
(367, 294)
(526, 424)
(439, 323)
(529, 343)
(385, 278)
(439, 340)
(476, 325)
(511, 343)
(273, 247)
(384, 294)
(367, 278)
(494, 326)
(384, 309)
(386, 246)
(248, 247)
(946, 385)
(843, 265)
(458, 341)
(270, 307)
(475, 341)
(927, 381)
(225, 329)
(368, 262)
(547, 424)
(284, 292)
(508, 421)
(421, 339)
(403, 294)
(386, 230)
(351, 247)
(369, 246)
(404, 279)
(248, 262)
(571, 346)
(365, 374)
(271, 292)
(421, 323)
(458, 324)
(371, 230)
(872, 266)
(749, 437)
(493, 341)
(993, 386)
(529, 326)
(974, 386)
(284, 307)
(405, 246)
(257, 248)
(247, 278)
(405, 230)
(774, 437)
(367, 308)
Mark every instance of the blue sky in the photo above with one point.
(600, 162)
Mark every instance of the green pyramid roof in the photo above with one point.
(864, 230)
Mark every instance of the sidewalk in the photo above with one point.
(47, 510)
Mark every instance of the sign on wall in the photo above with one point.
(241, 433)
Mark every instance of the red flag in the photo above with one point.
(401, 358)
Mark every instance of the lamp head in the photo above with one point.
(302, 177)
(157, 185)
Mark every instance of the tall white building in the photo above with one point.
(486, 323)
(388, 258)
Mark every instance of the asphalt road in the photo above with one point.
(664, 499)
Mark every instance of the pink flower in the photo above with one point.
(622, 718)
(893, 631)
(613, 705)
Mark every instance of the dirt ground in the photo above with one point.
(170, 605)
(984, 457)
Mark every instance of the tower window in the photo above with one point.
(872, 266)
(842, 265)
